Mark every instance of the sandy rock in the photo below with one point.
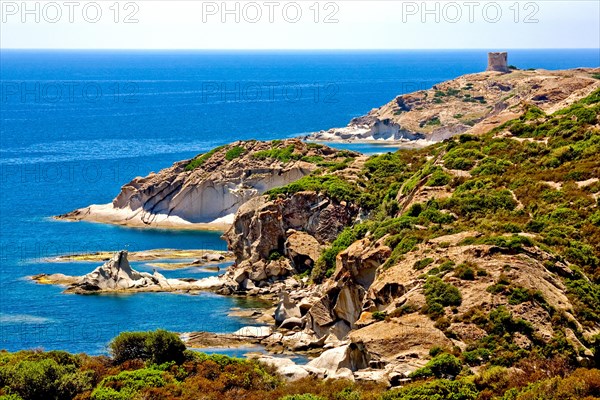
(342, 373)
(257, 273)
(339, 330)
(115, 274)
(277, 268)
(261, 227)
(302, 249)
(371, 375)
(212, 257)
(302, 341)
(293, 372)
(286, 309)
(240, 275)
(291, 323)
(349, 304)
(253, 332)
(351, 356)
(320, 316)
(410, 334)
(361, 260)
(55, 279)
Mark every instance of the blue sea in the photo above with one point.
(77, 125)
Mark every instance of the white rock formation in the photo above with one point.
(116, 275)
(210, 193)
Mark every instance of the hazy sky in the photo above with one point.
(155, 24)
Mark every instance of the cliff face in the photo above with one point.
(209, 188)
(472, 103)
(284, 236)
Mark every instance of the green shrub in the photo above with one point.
(581, 254)
(202, 158)
(275, 255)
(325, 265)
(331, 185)
(477, 356)
(496, 288)
(435, 390)
(283, 154)
(127, 384)
(469, 202)
(513, 242)
(313, 159)
(433, 215)
(465, 271)
(443, 365)
(379, 315)
(403, 310)
(532, 112)
(447, 265)
(501, 321)
(306, 396)
(491, 166)
(435, 121)
(439, 294)
(444, 293)
(518, 295)
(157, 347)
(45, 379)
(439, 178)
(234, 153)
(585, 297)
(419, 265)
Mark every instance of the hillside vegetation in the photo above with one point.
(132, 373)
(494, 237)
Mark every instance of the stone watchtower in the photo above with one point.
(498, 62)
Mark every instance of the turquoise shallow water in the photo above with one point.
(130, 113)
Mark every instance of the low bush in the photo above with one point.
(198, 161)
(439, 294)
(155, 346)
(435, 390)
(439, 178)
(419, 265)
(443, 365)
(469, 202)
(330, 185)
(283, 154)
(234, 153)
(379, 315)
(465, 271)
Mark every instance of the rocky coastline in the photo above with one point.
(205, 192)
(469, 104)
(375, 266)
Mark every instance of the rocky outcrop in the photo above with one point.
(206, 191)
(286, 309)
(337, 311)
(116, 275)
(351, 356)
(472, 103)
(337, 363)
(272, 239)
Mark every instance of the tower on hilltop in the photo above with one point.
(498, 62)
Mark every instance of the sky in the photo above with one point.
(301, 24)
